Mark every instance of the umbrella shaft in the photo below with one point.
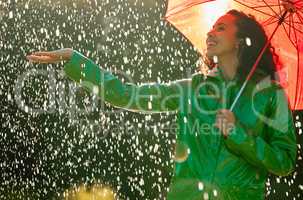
(257, 61)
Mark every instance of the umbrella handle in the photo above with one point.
(257, 61)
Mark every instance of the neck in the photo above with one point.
(228, 66)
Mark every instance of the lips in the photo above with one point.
(211, 42)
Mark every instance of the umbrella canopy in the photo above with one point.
(194, 18)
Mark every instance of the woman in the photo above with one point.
(259, 136)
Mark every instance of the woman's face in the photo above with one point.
(222, 40)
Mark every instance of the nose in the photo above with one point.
(210, 33)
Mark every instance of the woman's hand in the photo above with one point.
(225, 121)
(50, 56)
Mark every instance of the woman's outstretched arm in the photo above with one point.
(150, 97)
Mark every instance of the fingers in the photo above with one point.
(43, 57)
(43, 53)
(40, 59)
(229, 115)
(222, 124)
(224, 121)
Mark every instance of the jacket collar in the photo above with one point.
(217, 73)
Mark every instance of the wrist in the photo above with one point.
(69, 54)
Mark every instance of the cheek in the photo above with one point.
(229, 41)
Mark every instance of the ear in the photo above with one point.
(240, 42)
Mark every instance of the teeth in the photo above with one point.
(211, 43)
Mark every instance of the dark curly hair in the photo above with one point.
(249, 27)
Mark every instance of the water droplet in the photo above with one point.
(181, 152)
(57, 32)
(200, 186)
(205, 196)
(215, 193)
(95, 90)
(10, 15)
(215, 59)
(149, 105)
(248, 41)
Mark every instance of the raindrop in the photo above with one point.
(95, 90)
(125, 59)
(181, 152)
(215, 59)
(9, 97)
(248, 41)
(57, 32)
(205, 196)
(149, 105)
(200, 186)
(10, 15)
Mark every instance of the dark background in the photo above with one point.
(44, 154)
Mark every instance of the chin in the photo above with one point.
(210, 54)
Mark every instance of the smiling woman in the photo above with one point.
(241, 35)
(228, 153)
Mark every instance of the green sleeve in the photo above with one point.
(276, 153)
(150, 98)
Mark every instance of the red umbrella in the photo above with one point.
(283, 23)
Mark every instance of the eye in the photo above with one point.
(221, 28)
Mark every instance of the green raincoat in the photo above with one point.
(261, 142)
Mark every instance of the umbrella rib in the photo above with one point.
(271, 8)
(297, 63)
(287, 23)
(280, 7)
(295, 22)
(266, 23)
(296, 36)
(295, 33)
(290, 31)
(299, 87)
(254, 8)
(298, 90)
(299, 74)
(273, 5)
(288, 35)
(268, 19)
(289, 27)
(300, 17)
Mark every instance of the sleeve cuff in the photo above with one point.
(74, 66)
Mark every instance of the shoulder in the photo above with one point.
(276, 94)
(268, 84)
(270, 91)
